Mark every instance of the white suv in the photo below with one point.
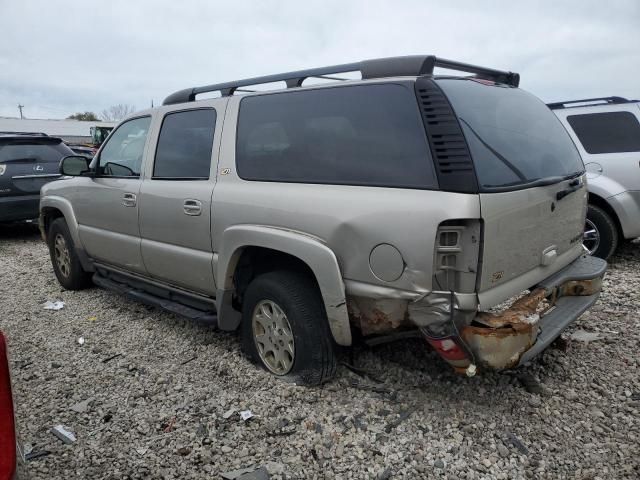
(607, 134)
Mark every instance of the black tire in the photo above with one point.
(297, 295)
(69, 273)
(607, 232)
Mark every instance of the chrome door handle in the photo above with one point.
(129, 199)
(192, 207)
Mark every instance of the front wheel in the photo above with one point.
(600, 233)
(285, 327)
(66, 264)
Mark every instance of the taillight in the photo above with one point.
(7, 425)
(455, 261)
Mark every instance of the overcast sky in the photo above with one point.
(60, 57)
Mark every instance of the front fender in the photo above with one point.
(311, 250)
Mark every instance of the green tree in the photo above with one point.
(85, 117)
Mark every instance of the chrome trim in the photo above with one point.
(46, 175)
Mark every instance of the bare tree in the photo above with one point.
(117, 112)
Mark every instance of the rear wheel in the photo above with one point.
(285, 327)
(600, 233)
(66, 264)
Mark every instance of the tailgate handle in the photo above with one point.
(192, 207)
(573, 186)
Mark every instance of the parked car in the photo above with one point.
(83, 150)
(607, 134)
(8, 455)
(402, 201)
(27, 161)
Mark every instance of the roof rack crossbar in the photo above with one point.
(413, 65)
(588, 102)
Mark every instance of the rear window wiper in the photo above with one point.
(497, 154)
(573, 175)
(539, 182)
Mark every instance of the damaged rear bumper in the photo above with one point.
(519, 333)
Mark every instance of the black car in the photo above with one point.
(83, 150)
(27, 161)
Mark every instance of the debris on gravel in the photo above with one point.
(151, 395)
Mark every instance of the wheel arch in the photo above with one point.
(276, 248)
(598, 201)
(55, 207)
(52, 208)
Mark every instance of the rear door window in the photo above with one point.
(184, 145)
(607, 132)
(359, 135)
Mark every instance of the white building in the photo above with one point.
(72, 131)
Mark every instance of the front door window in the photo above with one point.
(122, 154)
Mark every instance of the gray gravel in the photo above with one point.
(149, 395)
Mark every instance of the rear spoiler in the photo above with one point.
(26, 139)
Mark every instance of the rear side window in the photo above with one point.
(362, 135)
(184, 145)
(35, 152)
(610, 132)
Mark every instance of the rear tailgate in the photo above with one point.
(531, 179)
(29, 163)
(528, 235)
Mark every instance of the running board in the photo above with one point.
(201, 316)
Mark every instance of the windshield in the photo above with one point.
(513, 136)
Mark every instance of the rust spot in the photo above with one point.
(519, 316)
(375, 316)
(498, 340)
(581, 287)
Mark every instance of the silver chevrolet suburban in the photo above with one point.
(401, 202)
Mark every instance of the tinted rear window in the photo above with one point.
(37, 152)
(609, 132)
(513, 136)
(358, 135)
(184, 145)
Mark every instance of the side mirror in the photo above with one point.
(74, 165)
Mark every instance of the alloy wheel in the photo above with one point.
(273, 337)
(591, 237)
(61, 254)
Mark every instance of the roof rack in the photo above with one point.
(413, 65)
(589, 102)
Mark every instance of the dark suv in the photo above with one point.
(27, 161)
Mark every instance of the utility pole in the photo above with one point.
(20, 107)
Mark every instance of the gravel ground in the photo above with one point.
(167, 405)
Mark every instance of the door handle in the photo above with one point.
(192, 207)
(129, 199)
